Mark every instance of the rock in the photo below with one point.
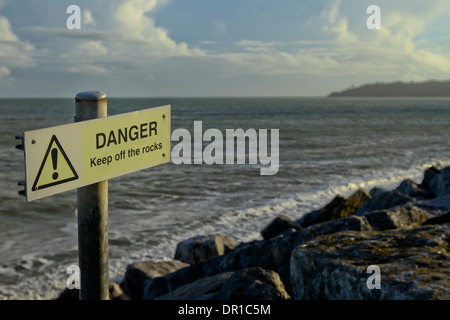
(253, 284)
(116, 292)
(445, 218)
(445, 172)
(279, 225)
(411, 189)
(433, 182)
(338, 208)
(414, 264)
(137, 273)
(436, 206)
(382, 199)
(229, 242)
(400, 217)
(201, 289)
(273, 254)
(246, 284)
(331, 210)
(344, 224)
(201, 248)
(353, 203)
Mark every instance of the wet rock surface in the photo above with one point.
(201, 248)
(414, 264)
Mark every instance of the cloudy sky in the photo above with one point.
(168, 48)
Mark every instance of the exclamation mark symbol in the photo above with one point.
(55, 163)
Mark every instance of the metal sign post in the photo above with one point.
(93, 214)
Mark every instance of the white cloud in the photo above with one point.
(124, 25)
(88, 69)
(390, 53)
(256, 46)
(397, 42)
(337, 25)
(135, 23)
(274, 62)
(125, 35)
(14, 53)
(88, 19)
(208, 42)
(6, 33)
(90, 58)
(83, 34)
(93, 48)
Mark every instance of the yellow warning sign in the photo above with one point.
(55, 168)
(74, 155)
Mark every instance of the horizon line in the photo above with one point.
(173, 97)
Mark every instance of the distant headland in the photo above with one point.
(398, 89)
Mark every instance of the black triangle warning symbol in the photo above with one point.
(55, 169)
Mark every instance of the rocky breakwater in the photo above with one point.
(324, 255)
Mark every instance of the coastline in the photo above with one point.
(323, 255)
(425, 89)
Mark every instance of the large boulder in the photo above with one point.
(230, 243)
(412, 189)
(137, 273)
(204, 247)
(116, 292)
(246, 284)
(327, 213)
(406, 216)
(353, 203)
(254, 284)
(445, 172)
(436, 206)
(353, 223)
(201, 289)
(414, 264)
(382, 199)
(279, 225)
(433, 182)
(338, 208)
